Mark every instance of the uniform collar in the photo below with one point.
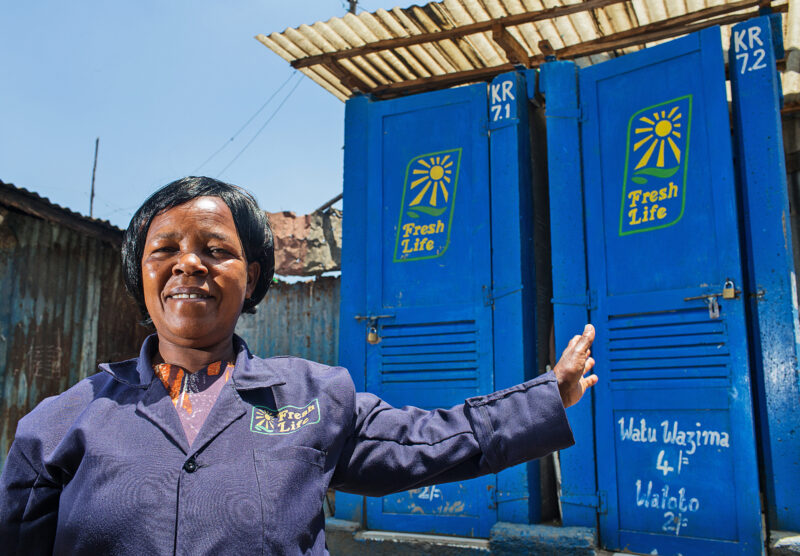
(252, 372)
(249, 373)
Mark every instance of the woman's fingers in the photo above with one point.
(575, 362)
(585, 340)
(571, 343)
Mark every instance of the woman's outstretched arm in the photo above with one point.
(394, 449)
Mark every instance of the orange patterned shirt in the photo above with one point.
(193, 394)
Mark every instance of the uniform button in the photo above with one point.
(190, 466)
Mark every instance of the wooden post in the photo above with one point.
(94, 171)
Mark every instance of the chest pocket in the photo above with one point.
(292, 484)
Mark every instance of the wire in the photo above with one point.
(257, 112)
(250, 142)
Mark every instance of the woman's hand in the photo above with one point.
(575, 362)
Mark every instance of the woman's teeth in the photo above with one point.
(188, 296)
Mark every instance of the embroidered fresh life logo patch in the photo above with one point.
(285, 420)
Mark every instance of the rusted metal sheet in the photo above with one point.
(299, 319)
(308, 244)
(63, 309)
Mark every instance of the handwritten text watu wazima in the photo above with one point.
(670, 433)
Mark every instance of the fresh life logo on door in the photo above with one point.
(426, 209)
(654, 187)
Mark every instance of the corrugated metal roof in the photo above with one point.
(31, 203)
(402, 51)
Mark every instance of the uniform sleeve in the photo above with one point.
(28, 500)
(394, 449)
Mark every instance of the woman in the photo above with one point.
(199, 447)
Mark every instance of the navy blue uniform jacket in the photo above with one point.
(105, 467)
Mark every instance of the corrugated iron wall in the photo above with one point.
(299, 319)
(63, 309)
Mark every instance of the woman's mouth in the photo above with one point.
(189, 296)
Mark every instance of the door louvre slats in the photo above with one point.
(408, 355)
(665, 348)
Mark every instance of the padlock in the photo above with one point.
(372, 335)
(728, 290)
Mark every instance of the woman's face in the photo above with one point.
(194, 273)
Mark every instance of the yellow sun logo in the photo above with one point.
(659, 131)
(263, 419)
(436, 175)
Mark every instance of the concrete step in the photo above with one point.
(346, 538)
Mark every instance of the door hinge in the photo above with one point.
(590, 301)
(566, 113)
(489, 296)
(598, 500)
(501, 496)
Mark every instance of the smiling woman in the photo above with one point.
(195, 279)
(199, 447)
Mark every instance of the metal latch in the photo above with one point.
(373, 317)
(711, 301)
(729, 291)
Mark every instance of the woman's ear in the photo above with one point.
(253, 272)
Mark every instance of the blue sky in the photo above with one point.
(164, 84)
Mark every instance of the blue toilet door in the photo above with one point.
(428, 271)
(676, 456)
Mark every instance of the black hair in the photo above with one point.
(251, 223)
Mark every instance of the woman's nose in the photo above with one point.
(189, 263)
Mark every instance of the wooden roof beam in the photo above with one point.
(439, 81)
(546, 48)
(515, 52)
(659, 30)
(664, 29)
(456, 32)
(346, 78)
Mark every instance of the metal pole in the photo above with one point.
(94, 170)
(329, 203)
(353, 4)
